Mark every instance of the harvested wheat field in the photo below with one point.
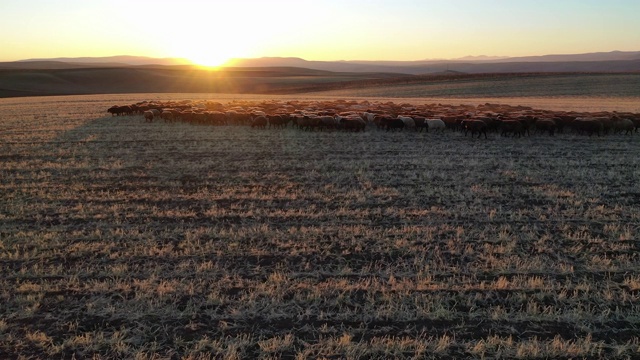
(121, 238)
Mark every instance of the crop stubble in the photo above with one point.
(124, 238)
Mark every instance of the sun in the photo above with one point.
(210, 59)
(216, 32)
(215, 54)
(209, 48)
(207, 55)
(231, 32)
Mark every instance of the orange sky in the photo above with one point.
(211, 32)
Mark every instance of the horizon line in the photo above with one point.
(188, 61)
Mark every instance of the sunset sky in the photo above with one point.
(211, 32)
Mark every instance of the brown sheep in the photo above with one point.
(392, 123)
(354, 123)
(588, 125)
(278, 121)
(120, 110)
(475, 126)
(636, 121)
(563, 121)
(114, 110)
(217, 118)
(238, 118)
(607, 124)
(327, 122)
(527, 122)
(514, 127)
(259, 122)
(620, 125)
(453, 122)
(492, 123)
(548, 125)
(421, 123)
(308, 122)
(199, 117)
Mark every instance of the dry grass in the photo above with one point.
(120, 238)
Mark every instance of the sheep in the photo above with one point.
(620, 125)
(294, 119)
(308, 122)
(114, 110)
(217, 118)
(421, 123)
(491, 122)
(379, 120)
(368, 116)
(563, 121)
(548, 125)
(168, 115)
(156, 113)
(588, 125)
(327, 122)
(607, 124)
(514, 127)
(135, 109)
(408, 121)
(259, 122)
(475, 126)
(238, 117)
(527, 121)
(436, 125)
(200, 117)
(187, 115)
(453, 122)
(392, 124)
(278, 121)
(120, 110)
(636, 121)
(148, 116)
(354, 123)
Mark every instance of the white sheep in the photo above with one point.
(408, 122)
(368, 116)
(436, 124)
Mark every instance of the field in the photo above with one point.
(502, 85)
(296, 81)
(126, 239)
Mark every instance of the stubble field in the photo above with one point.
(126, 239)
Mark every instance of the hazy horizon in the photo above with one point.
(479, 57)
(332, 30)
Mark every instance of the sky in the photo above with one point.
(211, 32)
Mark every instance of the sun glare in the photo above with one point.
(214, 53)
(210, 59)
(213, 40)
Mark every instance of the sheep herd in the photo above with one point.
(352, 115)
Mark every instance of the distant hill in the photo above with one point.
(614, 61)
(589, 57)
(109, 61)
(130, 74)
(39, 65)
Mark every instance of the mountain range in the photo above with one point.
(614, 61)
